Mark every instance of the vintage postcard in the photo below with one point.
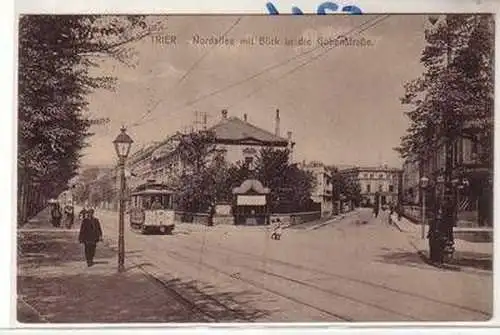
(255, 168)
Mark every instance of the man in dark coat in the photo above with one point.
(56, 215)
(69, 216)
(90, 234)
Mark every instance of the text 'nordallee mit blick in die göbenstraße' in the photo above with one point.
(270, 41)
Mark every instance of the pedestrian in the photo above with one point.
(277, 231)
(375, 209)
(90, 234)
(83, 212)
(211, 214)
(56, 215)
(399, 210)
(69, 216)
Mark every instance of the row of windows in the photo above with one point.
(374, 175)
(380, 188)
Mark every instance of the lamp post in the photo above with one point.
(122, 143)
(424, 182)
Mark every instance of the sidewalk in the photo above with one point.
(477, 255)
(55, 285)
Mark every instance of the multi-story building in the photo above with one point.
(236, 140)
(471, 174)
(382, 180)
(323, 189)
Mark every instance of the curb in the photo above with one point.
(396, 223)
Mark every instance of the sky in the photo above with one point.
(342, 107)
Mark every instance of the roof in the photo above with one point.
(151, 192)
(371, 169)
(235, 130)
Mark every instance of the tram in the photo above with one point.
(152, 209)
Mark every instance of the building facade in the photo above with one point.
(239, 140)
(471, 175)
(411, 182)
(323, 189)
(383, 180)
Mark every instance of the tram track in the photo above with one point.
(188, 260)
(187, 302)
(348, 278)
(182, 256)
(411, 295)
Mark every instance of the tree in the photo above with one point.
(456, 90)
(208, 179)
(288, 184)
(342, 185)
(197, 182)
(56, 56)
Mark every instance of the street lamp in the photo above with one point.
(122, 143)
(424, 182)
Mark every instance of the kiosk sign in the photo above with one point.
(251, 200)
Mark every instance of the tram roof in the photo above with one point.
(152, 192)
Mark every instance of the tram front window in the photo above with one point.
(156, 204)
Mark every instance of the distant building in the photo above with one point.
(323, 190)
(372, 180)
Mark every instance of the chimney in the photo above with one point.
(245, 117)
(224, 113)
(290, 147)
(277, 123)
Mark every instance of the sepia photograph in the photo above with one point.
(178, 169)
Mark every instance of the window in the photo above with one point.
(391, 188)
(380, 188)
(381, 176)
(371, 175)
(368, 188)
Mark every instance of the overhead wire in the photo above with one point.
(274, 66)
(186, 74)
(303, 64)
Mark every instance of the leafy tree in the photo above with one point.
(287, 182)
(197, 182)
(351, 189)
(455, 92)
(57, 54)
(207, 178)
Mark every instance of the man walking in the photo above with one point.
(90, 234)
(56, 214)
